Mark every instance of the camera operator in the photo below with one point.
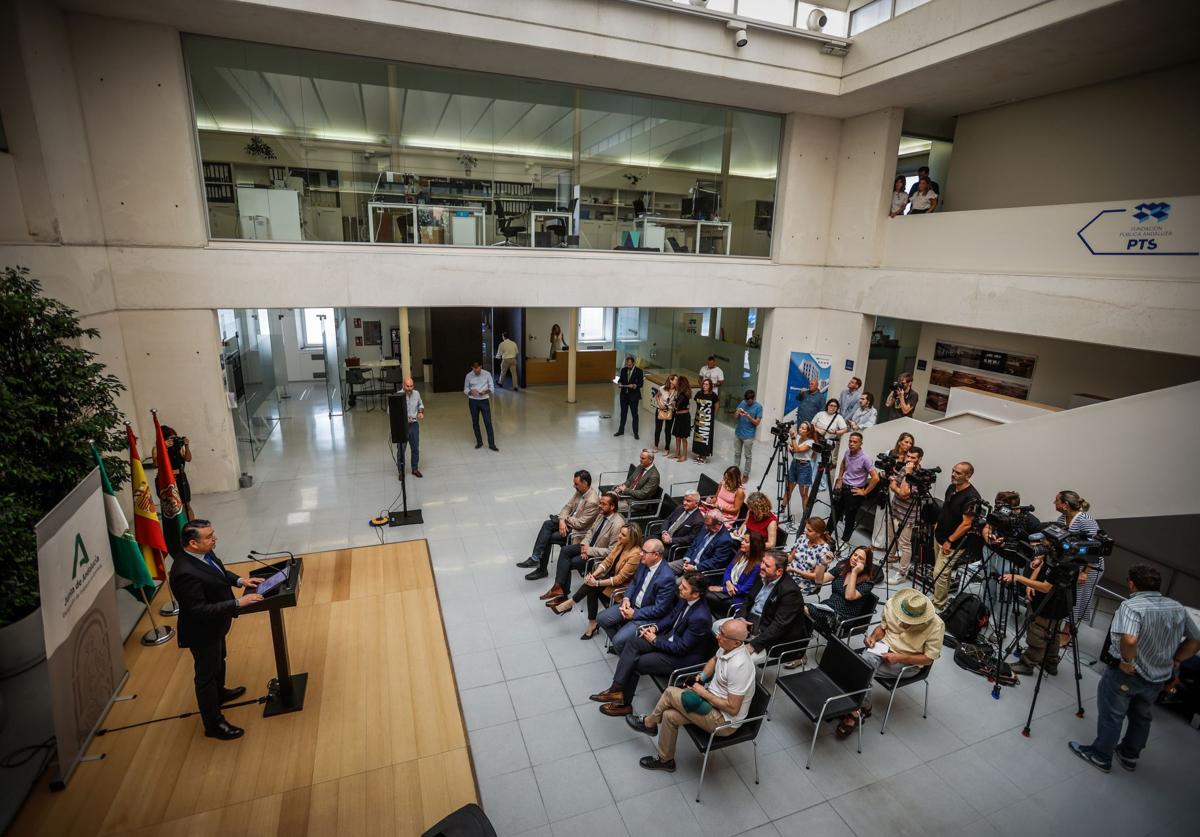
(994, 541)
(1049, 604)
(903, 515)
(856, 479)
(1073, 513)
(953, 526)
(800, 469)
(902, 399)
(179, 451)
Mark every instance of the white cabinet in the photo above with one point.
(272, 214)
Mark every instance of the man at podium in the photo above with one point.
(207, 608)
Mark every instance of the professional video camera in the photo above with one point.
(822, 446)
(1058, 545)
(888, 463)
(1010, 524)
(781, 429)
(924, 478)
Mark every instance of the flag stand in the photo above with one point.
(171, 608)
(158, 634)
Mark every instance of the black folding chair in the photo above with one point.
(836, 688)
(892, 683)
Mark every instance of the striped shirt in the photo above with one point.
(1160, 625)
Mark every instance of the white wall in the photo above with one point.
(1074, 450)
(1064, 367)
(1122, 140)
(538, 322)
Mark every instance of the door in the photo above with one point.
(458, 337)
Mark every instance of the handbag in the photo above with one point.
(665, 413)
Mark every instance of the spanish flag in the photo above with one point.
(146, 528)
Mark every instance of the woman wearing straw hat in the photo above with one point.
(909, 634)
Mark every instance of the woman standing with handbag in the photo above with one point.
(682, 427)
(664, 412)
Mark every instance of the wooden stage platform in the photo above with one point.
(380, 747)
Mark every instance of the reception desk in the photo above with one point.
(590, 368)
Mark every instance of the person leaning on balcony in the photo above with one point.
(924, 199)
(899, 197)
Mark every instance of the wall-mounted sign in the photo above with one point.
(1147, 228)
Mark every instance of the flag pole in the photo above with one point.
(171, 608)
(158, 634)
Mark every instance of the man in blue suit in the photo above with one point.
(712, 549)
(647, 598)
(681, 638)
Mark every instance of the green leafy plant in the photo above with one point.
(258, 148)
(55, 398)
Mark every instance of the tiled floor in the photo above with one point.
(549, 764)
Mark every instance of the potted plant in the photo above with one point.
(56, 399)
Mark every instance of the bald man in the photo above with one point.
(416, 412)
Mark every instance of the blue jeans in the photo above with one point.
(414, 440)
(618, 630)
(482, 407)
(1122, 696)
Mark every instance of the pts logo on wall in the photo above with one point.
(1149, 228)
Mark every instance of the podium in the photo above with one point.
(286, 692)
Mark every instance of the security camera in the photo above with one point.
(741, 37)
(817, 20)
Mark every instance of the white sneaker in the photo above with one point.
(895, 578)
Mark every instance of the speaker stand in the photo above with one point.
(406, 516)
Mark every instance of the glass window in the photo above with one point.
(870, 15)
(312, 326)
(595, 325)
(903, 6)
(299, 145)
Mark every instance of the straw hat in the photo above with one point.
(910, 606)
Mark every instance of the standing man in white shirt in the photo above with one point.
(415, 410)
(710, 371)
(478, 388)
(507, 352)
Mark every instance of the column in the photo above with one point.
(405, 349)
(572, 336)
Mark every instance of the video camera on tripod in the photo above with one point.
(1058, 545)
(781, 430)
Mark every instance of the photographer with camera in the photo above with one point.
(1008, 525)
(903, 496)
(953, 527)
(179, 451)
(856, 479)
(800, 469)
(1073, 514)
(902, 398)
(1048, 591)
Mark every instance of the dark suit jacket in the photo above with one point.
(207, 607)
(692, 636)
(687, 531)
(782, 618)
(647, 480)
(659, 598)
(630, 376)
(717, 553)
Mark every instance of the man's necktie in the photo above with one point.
(597, 533)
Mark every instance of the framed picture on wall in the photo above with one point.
(372, 333)
(358, 322)
(958, 365)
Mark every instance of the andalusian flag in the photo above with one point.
(146, 527)
(173, 517)
(127, 558)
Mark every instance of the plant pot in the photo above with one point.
(22, 644)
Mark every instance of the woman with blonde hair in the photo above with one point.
(760, 518)
(614, 571)
(664, 412)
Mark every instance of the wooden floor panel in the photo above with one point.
(380, 747)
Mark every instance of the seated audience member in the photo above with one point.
(739, 576)
(596, 543)
(678, 639)
(712, 549)
(811, 554)
(572, 520)
(649, 595)
(925, 199)
(774, 608)
(683, 523)
(730, 495)
(721, 694)
(642, 483)
(909, 633)
(864, 414)
(760, 518)
(899, 197)
(614, 571)
(849, 583)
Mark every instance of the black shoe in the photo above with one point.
(655, 763)
(516, 389)
(619, 433)
(417, 473)
(1022, 667)
(635, 435)
(528, 563)
(1128, 763)
(1089, 755)
(638, 722)
(536, 574)
(236, 692)
(1052, 671)
(478, 445)
(225, 731)
(493, 447)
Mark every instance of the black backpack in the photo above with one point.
(965, 618)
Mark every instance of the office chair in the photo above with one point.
(505, 226)
(560, 227)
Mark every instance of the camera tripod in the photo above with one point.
(824, 471)
(779, 459)
(921, 533)
(1001, 603)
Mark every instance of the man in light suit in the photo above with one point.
(572, 520)
(684, 523)
(712, 549)
(642, 483)
(683, 637)
(647, 598)
(596, 543)
(207, 608)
